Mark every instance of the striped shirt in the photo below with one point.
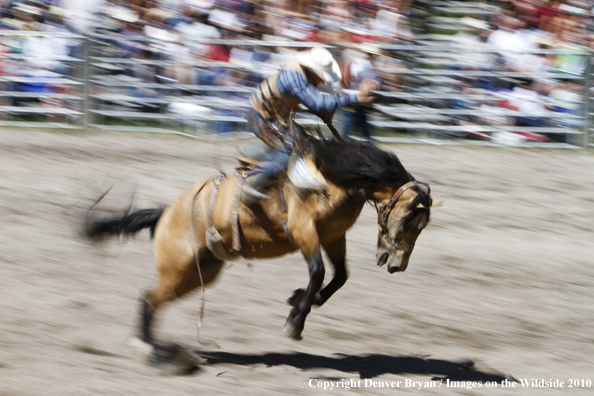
(292, 83)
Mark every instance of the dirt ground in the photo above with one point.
(500, 285)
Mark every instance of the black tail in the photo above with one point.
(128, 223)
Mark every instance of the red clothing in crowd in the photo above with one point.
(219, 53)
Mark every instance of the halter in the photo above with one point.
(386, 209)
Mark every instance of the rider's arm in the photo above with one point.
(319, 103)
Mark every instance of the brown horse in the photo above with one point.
(184, 232)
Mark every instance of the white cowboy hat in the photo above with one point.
(123, 14)
(27, 9)
(370, 48)
(475, 23)
(321, 62)
(61, 12)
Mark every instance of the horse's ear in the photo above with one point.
(435, 203)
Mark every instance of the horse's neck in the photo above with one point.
(382, 193)
(341, 197)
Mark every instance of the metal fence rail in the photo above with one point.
(57, 99)
(99, 96)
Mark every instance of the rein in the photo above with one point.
(386, 209)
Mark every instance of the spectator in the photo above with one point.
(390, 24)
(356, 67)
(525, 99)
(336, 14)
(144, 73)
(512, 43)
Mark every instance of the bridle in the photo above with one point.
(386, 209)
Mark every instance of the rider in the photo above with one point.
(277, 99)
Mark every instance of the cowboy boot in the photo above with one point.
(252, 194)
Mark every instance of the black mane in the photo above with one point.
(353, 165)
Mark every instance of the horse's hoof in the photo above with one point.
(297, 296)
(141, 351)
(176, 359)
(293, 331)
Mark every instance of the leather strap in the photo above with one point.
(236, 226)
(203, 299)
(271, 83)
(386, 209)
(284, 213)
(396, 196)
(335, 132)
(213, 198)
(282, 201)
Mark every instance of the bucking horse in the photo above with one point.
(209, 224)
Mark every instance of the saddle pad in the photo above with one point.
(303, 173)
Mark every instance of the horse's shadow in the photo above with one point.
(367, 366)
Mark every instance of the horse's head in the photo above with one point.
(402, 215)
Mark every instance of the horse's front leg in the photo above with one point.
(336, 252)
(307, 240)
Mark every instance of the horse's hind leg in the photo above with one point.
(175, 280)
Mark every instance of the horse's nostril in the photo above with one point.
(383, 259)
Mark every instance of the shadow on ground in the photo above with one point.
(367, 366)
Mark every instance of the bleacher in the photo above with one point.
(101, 96)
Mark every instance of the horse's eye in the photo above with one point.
(415, 222)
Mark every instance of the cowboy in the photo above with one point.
(278, 97)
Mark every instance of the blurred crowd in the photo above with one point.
(180, 30)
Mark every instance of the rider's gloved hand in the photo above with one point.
(328, 119)
(365, 89)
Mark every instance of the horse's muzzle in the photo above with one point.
(395, 269)
(395, 261)
(382, 259)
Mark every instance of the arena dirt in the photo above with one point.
(500, 284)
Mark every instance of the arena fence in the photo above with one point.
(34, 86)
(420, 101)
